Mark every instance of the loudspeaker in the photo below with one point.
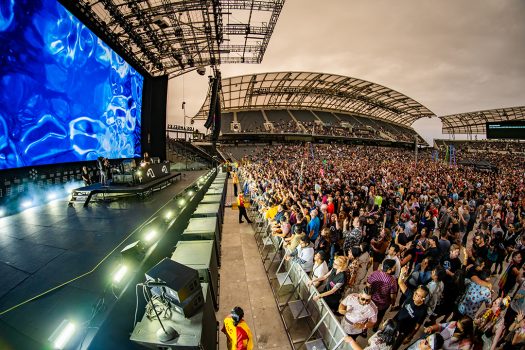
(191, 305)
(181, 282)
(214, 82)
(217, 119)
(133, 251)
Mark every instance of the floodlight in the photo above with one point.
(169, 215)
(150, 235)
(62, 335)
(27, 203)
(119, 275)
(51, 196)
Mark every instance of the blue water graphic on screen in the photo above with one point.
(65, 96)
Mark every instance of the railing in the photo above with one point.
(309, 324)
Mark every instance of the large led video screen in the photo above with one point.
(514, 129)
(65, 96)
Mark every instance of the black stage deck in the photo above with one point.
(86, 193)
(44, 247)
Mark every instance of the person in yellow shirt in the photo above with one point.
(242, 209)
(235, 182)
(238, 334)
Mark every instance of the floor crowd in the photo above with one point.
(406, 252)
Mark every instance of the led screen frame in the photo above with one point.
(65, 96)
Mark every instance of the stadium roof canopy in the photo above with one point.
(172, 37)
(321, 91)
(475, 122)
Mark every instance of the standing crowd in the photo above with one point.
(418, 254)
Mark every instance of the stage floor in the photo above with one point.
(45, 246)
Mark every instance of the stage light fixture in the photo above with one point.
(169, 215)
(62, 335)
(119, 275)
(191, 193)
(150, 235)
(181, 202)
(26, 203)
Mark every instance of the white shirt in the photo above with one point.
(357, 313)
(398, 265)
(319, 270)
(306, 257)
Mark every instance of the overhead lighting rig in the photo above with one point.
(198, 32)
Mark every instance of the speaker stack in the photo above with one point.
(177, 284)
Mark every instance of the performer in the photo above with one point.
(238, 334)
(103, 171)
(85, 176)
(146, 160)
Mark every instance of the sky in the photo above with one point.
(452, 56)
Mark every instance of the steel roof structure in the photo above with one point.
(172, 37)
(321, 91)
(475, 122)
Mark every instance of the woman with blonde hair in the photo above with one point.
(335, 282)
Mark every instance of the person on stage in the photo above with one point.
(101, 163)
(85, 176)
(238, 334)
(146, 160)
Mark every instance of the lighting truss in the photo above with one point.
(172, 37)
(475, 122)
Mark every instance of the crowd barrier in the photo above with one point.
(309, 324)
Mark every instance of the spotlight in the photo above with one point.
(191, 193)
(150, 235)
(181, 202)
(119, 275)
(27, 203)
(168, 215)
(51, 196)
(62, 335)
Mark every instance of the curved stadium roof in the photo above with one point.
(474, 122)
(321, 91)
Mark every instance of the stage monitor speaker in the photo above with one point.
(133, 252)
(180, 282)
(191, 305)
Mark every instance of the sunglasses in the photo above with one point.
(365, 300)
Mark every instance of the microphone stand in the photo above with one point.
(164, 334)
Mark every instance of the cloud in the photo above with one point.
(451, 56)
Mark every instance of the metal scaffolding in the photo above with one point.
(319, 91)
(475, 122)
(172, 37)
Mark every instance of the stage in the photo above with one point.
(142, 190)
(56, 245)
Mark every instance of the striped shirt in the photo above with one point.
(382, 286)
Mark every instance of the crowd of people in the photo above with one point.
(406, 252)
(334, 129)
